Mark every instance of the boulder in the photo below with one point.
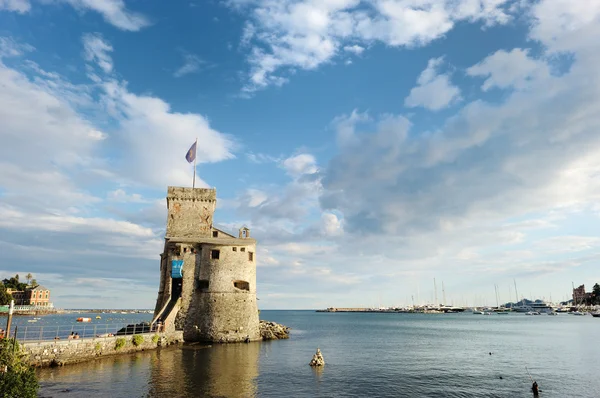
(317, 359)
(273, 331)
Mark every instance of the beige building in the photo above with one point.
(37, 296)
(207, 276)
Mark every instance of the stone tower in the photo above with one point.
(207, 276)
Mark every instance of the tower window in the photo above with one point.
(203, 284)
(243, 249)
(250, 256)
(214, 254)
(234, 249)
(242, 285)
(215, 234)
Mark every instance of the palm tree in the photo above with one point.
(28, 277)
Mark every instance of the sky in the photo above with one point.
(370, 146)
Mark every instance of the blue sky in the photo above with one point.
(370, 145)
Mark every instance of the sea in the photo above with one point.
(366, 355)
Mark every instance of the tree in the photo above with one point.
(34, 283)
(5, 296)
(28, 277)
(18, 379)
(596, 293)
(14, 283)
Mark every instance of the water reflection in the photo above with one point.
(189, 371)
(195, 371)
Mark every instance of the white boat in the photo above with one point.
(576, 313)
(533, 307)
(478, 312)
(532, 313)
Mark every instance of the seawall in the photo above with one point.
(64, 352)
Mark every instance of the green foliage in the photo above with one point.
(155, 338)
(596, 294)
(14, 283)
(98, 347)
(34, 283)
(120, 343)
(5, 297)
(137, 340)
(19, 381)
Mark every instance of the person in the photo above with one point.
(535, 388)
(71, 336)
(76, 336)
(2, 333)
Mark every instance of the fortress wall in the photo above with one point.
(65, 352)
(190, 212)
(222, 311)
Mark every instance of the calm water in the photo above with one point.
(367, 355)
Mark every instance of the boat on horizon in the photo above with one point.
(540, 307)
(532, 313)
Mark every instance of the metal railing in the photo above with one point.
(79, 331)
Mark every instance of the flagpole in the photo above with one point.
(195, 157)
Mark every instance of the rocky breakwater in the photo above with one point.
(273, 331)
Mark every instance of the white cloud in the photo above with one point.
(97, 50)
(508, 69)
(298, 165)
(20, 6)
(191, 64)
(331, 225)
(434, 91)
(10, 48)
(114, 12)
(119, 195)
(355, 49)
(290, 34)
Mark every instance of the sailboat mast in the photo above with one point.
(435, 290)
(443, 293)
(516, 291)
(496, 293)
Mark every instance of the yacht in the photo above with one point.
(532, 313)
(533, 307)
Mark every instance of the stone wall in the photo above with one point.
(63, 352)
(190, 212)
(221, 311)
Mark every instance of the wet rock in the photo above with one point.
(273, 331)
(317, 359)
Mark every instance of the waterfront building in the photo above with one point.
(207, 275)
(38, 296)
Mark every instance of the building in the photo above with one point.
(207, 276)
(580, 296)
(38, 296)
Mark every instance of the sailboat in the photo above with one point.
(498, 310)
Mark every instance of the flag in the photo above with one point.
(190, 156)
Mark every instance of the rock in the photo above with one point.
(273, 331)
(317, 359)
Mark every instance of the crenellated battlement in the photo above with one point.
(193, 194)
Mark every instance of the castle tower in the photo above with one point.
(208, 277)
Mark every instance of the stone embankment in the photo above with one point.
(64, 352)
(273, 331)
